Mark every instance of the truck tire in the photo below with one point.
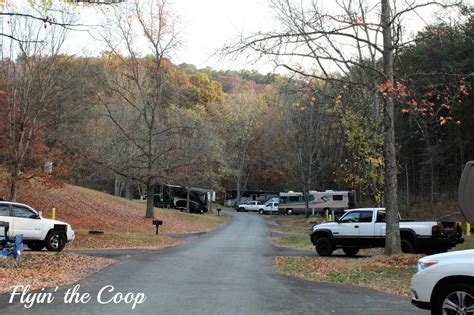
(407, 246)
(324, 246)
(448, 296)
(350, 251)
(240, 209)
(261, 211)
(36, 246)
(55, 241)
(289, 211)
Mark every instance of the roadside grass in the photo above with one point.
(387, 274)
(294, 241)
(84, 240)
(294, 224)
(468, 243)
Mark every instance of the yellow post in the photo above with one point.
(468, 229)
(330, 217)
(53, 214)
(327, 215)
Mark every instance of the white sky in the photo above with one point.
(207, 25)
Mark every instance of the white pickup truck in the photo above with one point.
(269, 208)
(366, 228)
(37, 231)
(249, 206)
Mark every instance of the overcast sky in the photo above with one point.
(207, 25)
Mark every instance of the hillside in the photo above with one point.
(89, 209)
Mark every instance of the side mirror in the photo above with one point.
(40, 215)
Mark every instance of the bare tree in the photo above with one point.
(242, 119)
(135, 86)
(339, 38)
(313, 138)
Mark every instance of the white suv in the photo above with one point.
(37, 231)
(444, 283)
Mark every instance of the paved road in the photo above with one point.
(227, 271)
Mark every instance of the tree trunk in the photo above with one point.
(306, 202)
(238, 183)
(188, 196)
(150, 200)
(117, 185)
(13, 190)
(127, 190)
(392, 239)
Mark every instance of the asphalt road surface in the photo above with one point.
(227, 271)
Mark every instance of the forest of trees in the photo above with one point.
(130, 119)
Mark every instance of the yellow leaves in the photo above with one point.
(338, 101)
(377, 162)
(443, 120)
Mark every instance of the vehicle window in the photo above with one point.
(294, 198)
(21, 212)
(276, 204)
(4, 210)
(351, 217)
(337, 197)
(365, 216)
(284, 199)
(380, 216)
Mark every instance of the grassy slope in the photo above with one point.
(89, 209)
(122, 220)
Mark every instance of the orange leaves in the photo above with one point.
(43, 269)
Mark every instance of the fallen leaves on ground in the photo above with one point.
(46, 269)
(89, 209)
(390, 274)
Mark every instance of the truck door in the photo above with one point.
(26, 222)
(275, 207)
(366, 227)
(348, 229)
(380, 228)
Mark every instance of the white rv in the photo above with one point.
(293, 202)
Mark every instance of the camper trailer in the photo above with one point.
(335, 201)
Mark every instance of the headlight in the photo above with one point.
(421, 265)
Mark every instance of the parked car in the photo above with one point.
(269, 208)
(194, 207)
(37, 231)
(366, 228)
(444, 283)
(249, 206)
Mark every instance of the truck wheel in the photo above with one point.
(324, 246)
(261, 211)
(36, 246)
(55, 241)
(289, 211)
(350, 251)
(453, 298)
(407, 246)
(240, 209)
